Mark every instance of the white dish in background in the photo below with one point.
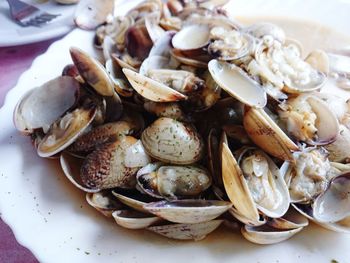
(12, 34)
(50, 216)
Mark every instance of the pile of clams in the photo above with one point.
(189, 120)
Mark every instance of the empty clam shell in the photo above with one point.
(151, 89)
(173, 142)
(104, 202)
(134, 220)
(237, 83)
(291, 220)
(333, 204)
(66, 130)
(188, 211)
(42, 106)
(92, 72)
(186, 231)
(266, 235)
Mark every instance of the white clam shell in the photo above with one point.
(134, 220)
(186, 231)
(237, 83)
(188, 211)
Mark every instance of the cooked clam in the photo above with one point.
(173, 142)
(104, 202)
(134, 220)
(171, 182)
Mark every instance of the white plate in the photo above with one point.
(13, 34)
(50, 217)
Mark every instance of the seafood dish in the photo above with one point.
(190, 120)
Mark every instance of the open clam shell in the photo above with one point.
(92, 71)
(309, 119)
(342, 226)
(132, 200)
(71, 166)
(237, 83)
(192, 39)
(266, 235)
(42, 106)
(184, 231)
(243, 179)
(66, 130)
(185, 146)
(265, 133)
(333, 204)
(188, 211)
(104, 202)
(151, 89)
(154, 62)
(259, 30)
(134, 220)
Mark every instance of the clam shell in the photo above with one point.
(184, 147)
(104, 202)
(71, 167)
(265, 133)
(151, 89)
(186, 231)
(333, 204)
(92, 72)
(42, 106)
(259, 30)
(188, 211)
(106, 166)
(131, 202)
(237, 83)
(91, 13)
(266, 235)
(134, 220)
(66, 130)
(291, 220)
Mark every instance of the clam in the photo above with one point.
(342, 226)
(283, 67)
(66, 130)
(254, 183)
(265, 133)
(152, 24)
(102, 134)
(319, 60)
(333, 205)
(339, 149)
(229, 45)
(173, 142)
(309, 119)
(91, 13)
(237, 83)
(171, 182)
(266, 235)
(153, 62)
(151, 89)
(188, 211)
(108, 167)
(184, 231)
(133, 199)
(120, 85)
(134, 220)
(92, 72)
(309, 174)
(104, 202)
(162, 46)
(71, 166)
(42, 106)
(190, 61)
(192, 39)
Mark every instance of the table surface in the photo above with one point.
(13, 62)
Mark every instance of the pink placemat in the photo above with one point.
(13, 62)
